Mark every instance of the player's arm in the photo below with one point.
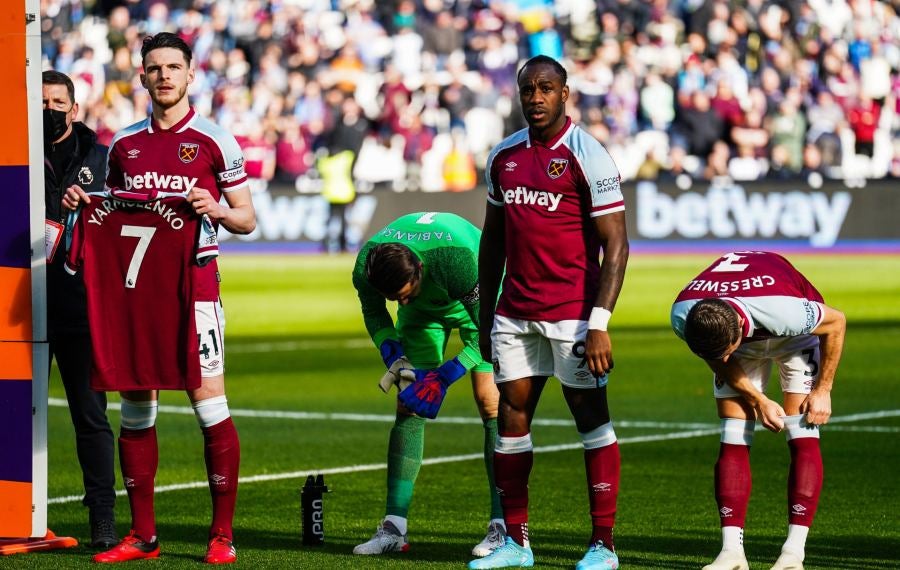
(491, 261)
(238, 216)
(614, 239)
(769, 412)
(831, 331)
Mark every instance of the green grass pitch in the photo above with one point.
(296, 344)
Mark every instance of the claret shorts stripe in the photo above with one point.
(523, 349)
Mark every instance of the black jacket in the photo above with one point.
(66, 302)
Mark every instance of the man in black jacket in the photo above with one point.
(73, 156)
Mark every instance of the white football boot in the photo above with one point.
(729, 560)
(386, 539)
(496, 536)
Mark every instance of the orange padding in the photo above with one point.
(24, 545)
(15, 302)
(15, 508)
(16, 360)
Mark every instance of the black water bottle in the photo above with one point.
(311, 510)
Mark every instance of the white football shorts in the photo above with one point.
(210, 321)
(522, 349)
(797, 359)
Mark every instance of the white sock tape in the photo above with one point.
(510, 445)
(211, 411)
(138, 415)
(599, 437)
(737, 432)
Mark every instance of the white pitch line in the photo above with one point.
(383, 466)
(705, 430)
(389, 418)
(289, 345)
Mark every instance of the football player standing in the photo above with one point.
(554, 203)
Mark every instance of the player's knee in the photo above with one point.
(737, 432)
(211, 411)
(599, 437)
(138, 415)
(796, 427)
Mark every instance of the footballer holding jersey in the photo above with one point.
(134, 249)
(427, 262)
(743, 314)
(554, 202)
(176, 150)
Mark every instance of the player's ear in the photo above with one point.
(190, 75)
(565, 93)
(143, 80)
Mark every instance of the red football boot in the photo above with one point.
(131, 548)
(220, 551)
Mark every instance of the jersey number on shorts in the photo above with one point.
(204, 350)
(144, 234)
(578, 350)
(810, 359)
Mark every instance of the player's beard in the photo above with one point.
(170, 98)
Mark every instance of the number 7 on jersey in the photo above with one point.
(145, 234)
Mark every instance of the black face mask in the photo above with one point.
(54, 125)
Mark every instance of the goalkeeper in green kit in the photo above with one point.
(428, 263)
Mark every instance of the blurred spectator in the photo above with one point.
(636, 66)
(699, 125)
(293, 156)
(788, 129)
(863, 118)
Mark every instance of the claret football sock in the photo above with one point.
(806, 474)
(602, 465)
(733, 483)
(222, 451)
(513, 459)
(139, 457)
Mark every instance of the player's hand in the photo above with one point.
(426, 394)
(771, 414)
(401, 373)
(817, 407)
(203, 203)
(598, 352)
(74, 197)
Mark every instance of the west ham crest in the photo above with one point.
(556, 167)
(85, 176)
(187, 152)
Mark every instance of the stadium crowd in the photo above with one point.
(420, 90)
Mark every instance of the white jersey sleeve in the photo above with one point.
(600, 172)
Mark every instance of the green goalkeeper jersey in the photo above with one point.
(447, 246)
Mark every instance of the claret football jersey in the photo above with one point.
(550, 193)
(194, 153)
(138, 259)
(773, 298)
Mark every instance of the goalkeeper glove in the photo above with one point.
(391, 350)
(400, 373)
(426, 394)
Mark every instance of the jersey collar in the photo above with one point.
(555, 141)
(177, 127)
(749, 326)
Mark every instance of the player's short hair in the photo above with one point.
(165, 40)
(53, 77)
(390, 266)
(545, 59)
(711, 327)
